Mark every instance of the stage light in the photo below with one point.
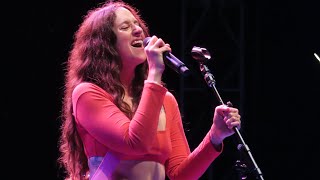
(317, 56)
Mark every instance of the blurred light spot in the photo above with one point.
(317, 56)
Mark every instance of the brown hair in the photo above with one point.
(93, 58)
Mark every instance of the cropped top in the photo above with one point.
(104, 128)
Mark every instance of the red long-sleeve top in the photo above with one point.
(104, 128)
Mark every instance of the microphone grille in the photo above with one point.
(146, 41)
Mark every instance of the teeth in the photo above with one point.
(137, 42)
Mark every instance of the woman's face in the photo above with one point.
(129, 38)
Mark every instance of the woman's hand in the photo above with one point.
(154, 51)
(224, 120)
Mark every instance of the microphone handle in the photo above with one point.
(175, 64)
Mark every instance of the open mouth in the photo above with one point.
(137, 43)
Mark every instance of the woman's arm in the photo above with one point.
(101, 118)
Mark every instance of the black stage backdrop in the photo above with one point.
(262, 59)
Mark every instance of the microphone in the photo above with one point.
(171, 61)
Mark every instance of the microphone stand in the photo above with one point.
(202, 55)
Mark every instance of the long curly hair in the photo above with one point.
(94, 58)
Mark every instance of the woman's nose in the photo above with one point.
(137, 30)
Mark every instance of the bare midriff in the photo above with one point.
(139, 170)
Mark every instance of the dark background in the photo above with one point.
(262, 58)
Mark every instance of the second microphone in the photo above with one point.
(171, 61)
